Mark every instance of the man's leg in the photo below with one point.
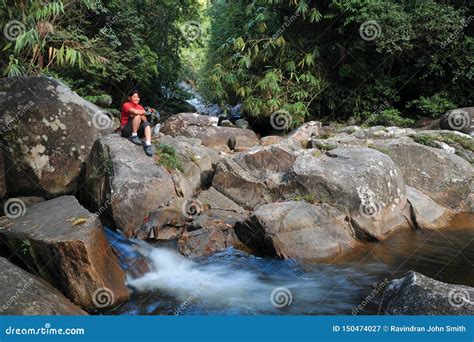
(145, 130)
(135, 125)
(148, 134)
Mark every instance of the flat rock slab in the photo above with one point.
(427, 213)
(74, 257)
(22, 294)
(415, 294)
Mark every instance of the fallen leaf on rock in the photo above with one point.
(79, 221)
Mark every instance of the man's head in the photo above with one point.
(134, 97)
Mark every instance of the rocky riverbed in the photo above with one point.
(318, 194)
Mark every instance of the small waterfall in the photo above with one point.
(182, 278)
(197, 101)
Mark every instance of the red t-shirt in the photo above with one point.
(125, 114)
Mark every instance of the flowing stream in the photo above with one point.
(233, 282)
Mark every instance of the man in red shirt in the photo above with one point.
(135, 124)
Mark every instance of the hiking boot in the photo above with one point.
(148, 150)
(136, 140)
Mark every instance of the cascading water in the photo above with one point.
(233, 282)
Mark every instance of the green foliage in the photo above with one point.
(425, 139)
(167, 156)
(104, 166)
(309, 58)
(387, 117)
(432, 106)
(99, 46)
(310, 198)
(102, 100)
(452, 139)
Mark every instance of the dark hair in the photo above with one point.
(133, 93)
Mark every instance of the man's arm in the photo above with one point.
(134, 112)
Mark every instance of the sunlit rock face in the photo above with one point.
(47, 133)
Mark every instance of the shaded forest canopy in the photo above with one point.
(385, 62)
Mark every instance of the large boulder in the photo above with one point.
(415, 294)
(205, 128)
(255, 177)
(362, 182)
(297, 229)
(65, 244)
(120, 181)
(22, 294)
(48, 132)
(460, 119)
(136, 191)
(443, 176)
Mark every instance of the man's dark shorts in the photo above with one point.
(127, 129)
